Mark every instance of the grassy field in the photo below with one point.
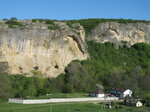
(61, 95)
(67, 107)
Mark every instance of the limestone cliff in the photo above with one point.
(35, 46)
(51, 47)
(119, 33)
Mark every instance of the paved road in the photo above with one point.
(59, 100)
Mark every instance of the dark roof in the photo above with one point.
(133, 101)
(118, 89)
(97, 92)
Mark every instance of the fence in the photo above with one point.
(59, 100)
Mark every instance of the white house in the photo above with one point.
(121, 93)
(139, 104)
(135, 103)
(127, 92)
(99, 94)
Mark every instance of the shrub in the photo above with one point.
(52, 25)
(4, 85)
(5, 19)
(147, 99)
(13, 24)
(34, 20)
(13, 18)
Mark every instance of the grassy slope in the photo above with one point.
(61, 95)
(68, 107)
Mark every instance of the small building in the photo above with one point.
(99, 94)
(121, 93)
(136, 103)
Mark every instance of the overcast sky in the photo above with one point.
(75, 9)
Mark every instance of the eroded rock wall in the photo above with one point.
(36, 46)
(119, 33)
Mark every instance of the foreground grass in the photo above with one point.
(61, 95)
(66, 107)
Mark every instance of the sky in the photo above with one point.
(75, 9)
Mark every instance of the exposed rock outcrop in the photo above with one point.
(119, 33)
(35, 45)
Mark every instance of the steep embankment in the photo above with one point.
(50, 46)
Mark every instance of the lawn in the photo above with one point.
(66, 107)
(61, 95)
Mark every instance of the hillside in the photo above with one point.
(125, 67)
(82, 54)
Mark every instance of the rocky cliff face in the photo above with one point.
(119, 33)
(34, 46)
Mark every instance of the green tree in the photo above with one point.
(146, 97)
(13, 18)
(4, 85)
